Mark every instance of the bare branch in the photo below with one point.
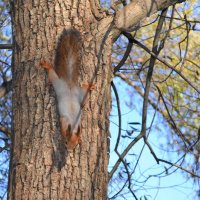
(180, 167)
(118, 139)
(162, 61)
(6, 46)
(124, 154)
(119, 114)
(123, 60)
(156, 50)
(167, 116)
(190, 61)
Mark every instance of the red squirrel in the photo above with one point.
(70, 96)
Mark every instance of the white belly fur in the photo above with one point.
(69, 101)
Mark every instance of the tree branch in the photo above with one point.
(123, 60)
(118, 139)
(166, 116)
(137, 10)
(132, 14)
(178, 166)
(124, 154)
(156, 50)
(162, 61)
(6, 46)
(119, 115)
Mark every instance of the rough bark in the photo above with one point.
(41, 167)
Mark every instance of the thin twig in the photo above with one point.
(156, 50)
(124, 154)
(123, 60)
(118, 140)
(172, 120)
(180, 167)
(162, 61)
(119, 114)
(6, 46)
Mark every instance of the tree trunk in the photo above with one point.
(41, 167)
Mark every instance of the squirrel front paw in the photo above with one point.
(88, 86)
(45, 64)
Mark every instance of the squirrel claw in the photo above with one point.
(88, 86)
(45, 64)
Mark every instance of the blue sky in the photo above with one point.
(174, 186)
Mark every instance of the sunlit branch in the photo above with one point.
(126, 18)
(164, 62)
(190, 61)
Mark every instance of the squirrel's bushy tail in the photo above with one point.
(68, 54)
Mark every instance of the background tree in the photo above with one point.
(41, 167)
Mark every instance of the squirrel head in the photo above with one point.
(73, 139)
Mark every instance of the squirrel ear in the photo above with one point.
(69, 128)
(68, 131)
(78, 131)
